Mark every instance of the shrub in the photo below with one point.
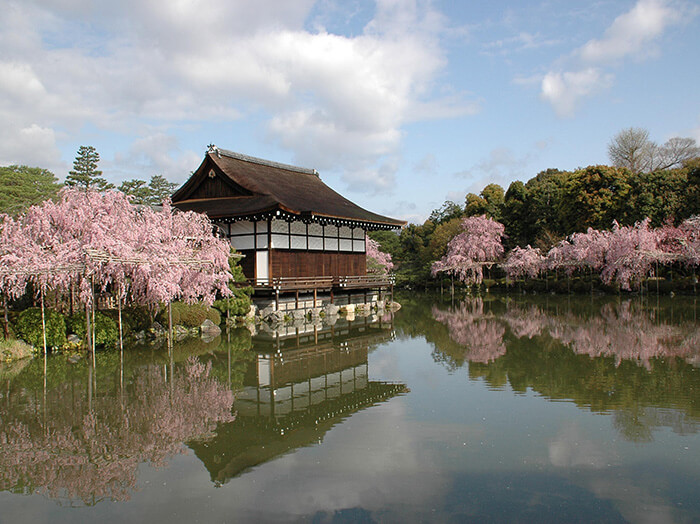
(238, 304)
(134, 319)
(189, 315)
(106, 329)
(28, 328)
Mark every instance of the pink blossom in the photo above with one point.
(521, 262)
(479, 244)
(480, 334)
(376, 259)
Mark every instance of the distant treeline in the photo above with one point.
(547, 209)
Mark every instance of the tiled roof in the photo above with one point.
(258, 186)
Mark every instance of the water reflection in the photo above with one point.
(77, 430)
(79, 435)
(304, 380)
(630, 357)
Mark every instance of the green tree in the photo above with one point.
(442, 235)
(544, 193)
(446, 212)
(515, 215)
(657, 195)
(22, 187)
(238, 304)
(413, 258)
(474, 205)
(388, 241)
(161, 189)
(152, 194)
(594, 197)
(85, 174)
(489, 202)
(137, 189)
(691, 201)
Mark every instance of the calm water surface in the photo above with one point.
(526, 409)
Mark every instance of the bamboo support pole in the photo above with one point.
(6, 322)
(43, 323)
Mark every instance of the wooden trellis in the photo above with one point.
(83, 269)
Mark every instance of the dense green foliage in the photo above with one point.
(238, 304)
(28, 327)
(548, 208)
(189, 315)
(151, 193)
(106, 328)
(22, 187)
(85, 174)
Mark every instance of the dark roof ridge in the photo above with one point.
(254, 160)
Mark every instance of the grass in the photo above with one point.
(13, 349)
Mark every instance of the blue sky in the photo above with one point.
(399, 104)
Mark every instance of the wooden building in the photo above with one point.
(291, 227)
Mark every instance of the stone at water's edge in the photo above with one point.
(331, 309)
(209, 329)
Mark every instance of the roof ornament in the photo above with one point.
(211, 148)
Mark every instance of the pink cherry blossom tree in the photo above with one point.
(479, 244)
(524, 262)
(630, 255)
(91, 238)
(377, 260)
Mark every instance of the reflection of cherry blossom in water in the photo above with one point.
(619, 331)
(89, 455)
(480, 334)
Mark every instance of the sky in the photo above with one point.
(399, 104)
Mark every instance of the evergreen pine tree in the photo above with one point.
(85, 174)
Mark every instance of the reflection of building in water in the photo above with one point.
(298, 388)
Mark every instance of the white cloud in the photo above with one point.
(500, 166)
(155, 154)
(427, 165)
(334, 101)
(523, 41)
(32, 145)
(565, 90)
(633, 33)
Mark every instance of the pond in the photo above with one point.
(503, 409)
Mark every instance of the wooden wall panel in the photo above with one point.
(248, 264)
(216, 187)
(311, 264)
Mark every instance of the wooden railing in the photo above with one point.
(285, 284)
(366, 281)
(294, 283)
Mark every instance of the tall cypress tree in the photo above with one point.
(85, 174)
